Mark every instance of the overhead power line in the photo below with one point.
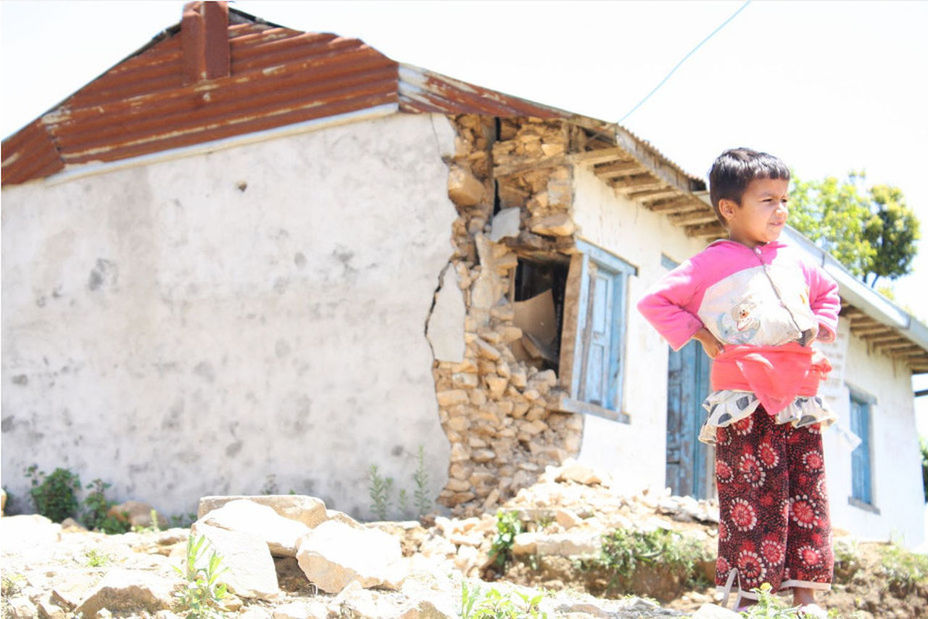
(691, 52)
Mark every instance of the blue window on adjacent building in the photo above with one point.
(861, 466)
(599, 344)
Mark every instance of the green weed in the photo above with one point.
(380, 490)
(96, 514)
(902, 568)
(420, 478)
(203, 593)
(54, 494)
(508, 525)
(94, 558)
(623, 551)
(475, 604)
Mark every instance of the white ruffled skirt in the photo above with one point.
(727, 407)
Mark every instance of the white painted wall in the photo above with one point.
(633, 452)
(895, 458)
(173, 334)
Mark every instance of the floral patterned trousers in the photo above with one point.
(774, 525)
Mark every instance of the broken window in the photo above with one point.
(592, 358)
(538, 292)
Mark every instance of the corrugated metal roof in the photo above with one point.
(278, 76)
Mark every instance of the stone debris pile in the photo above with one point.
(289, 556)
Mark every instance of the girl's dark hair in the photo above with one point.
(734, 169)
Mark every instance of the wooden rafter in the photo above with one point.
(603, 155)
(705, 230)
(693, 217)
(618, 169)
(673, 205)
(646, 193)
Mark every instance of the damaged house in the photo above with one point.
(249, 259)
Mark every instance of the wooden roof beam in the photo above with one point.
(675, 204)
(706, 230)
(639, 194)
(693, 217)
(869, 329)
(601, 155)
(619, 169)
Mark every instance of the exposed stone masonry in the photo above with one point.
(498, 412)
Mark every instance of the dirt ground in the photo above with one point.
(861, 587)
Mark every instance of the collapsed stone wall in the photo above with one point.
(499, 411)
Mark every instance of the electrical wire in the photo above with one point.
(691, 52)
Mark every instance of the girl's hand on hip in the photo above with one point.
(710, 344)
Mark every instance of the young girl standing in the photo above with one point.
(755, 307)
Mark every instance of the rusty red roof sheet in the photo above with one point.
(276, 77)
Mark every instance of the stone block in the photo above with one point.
(309, 510)
(559, 224)
(452, 397)
(333, 555)
(128, 590)
(282, 535)
(464, 188)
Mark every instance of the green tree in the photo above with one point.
(893, 233)
(871, 231)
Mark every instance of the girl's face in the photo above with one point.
(760, 217)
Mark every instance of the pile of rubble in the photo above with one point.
(289, 556)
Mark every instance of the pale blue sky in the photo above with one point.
(827, 86)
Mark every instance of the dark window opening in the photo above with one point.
(539, 311)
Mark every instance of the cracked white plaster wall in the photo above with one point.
(191, 326)
(445, 328)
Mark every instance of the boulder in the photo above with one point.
(342, 517)
(71, 525)
(574, 471)
(250, 568)
(19, 534)
(69, 592)
(128, 591)
(464, 188)
(137, 514)
(334, 554)
(282, 535)
(306, 509)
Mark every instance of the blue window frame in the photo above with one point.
(861, 465)
(599, 343)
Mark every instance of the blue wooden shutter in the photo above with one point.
(860, 457)
(601, 327)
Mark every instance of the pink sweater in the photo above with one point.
(765, 296)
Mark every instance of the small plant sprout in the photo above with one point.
(95, 558)
(421, 479)
(203, 593)
(379, 490)
(508, 525)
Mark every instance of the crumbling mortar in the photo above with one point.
(507, 431)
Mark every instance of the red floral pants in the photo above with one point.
(774, 525)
